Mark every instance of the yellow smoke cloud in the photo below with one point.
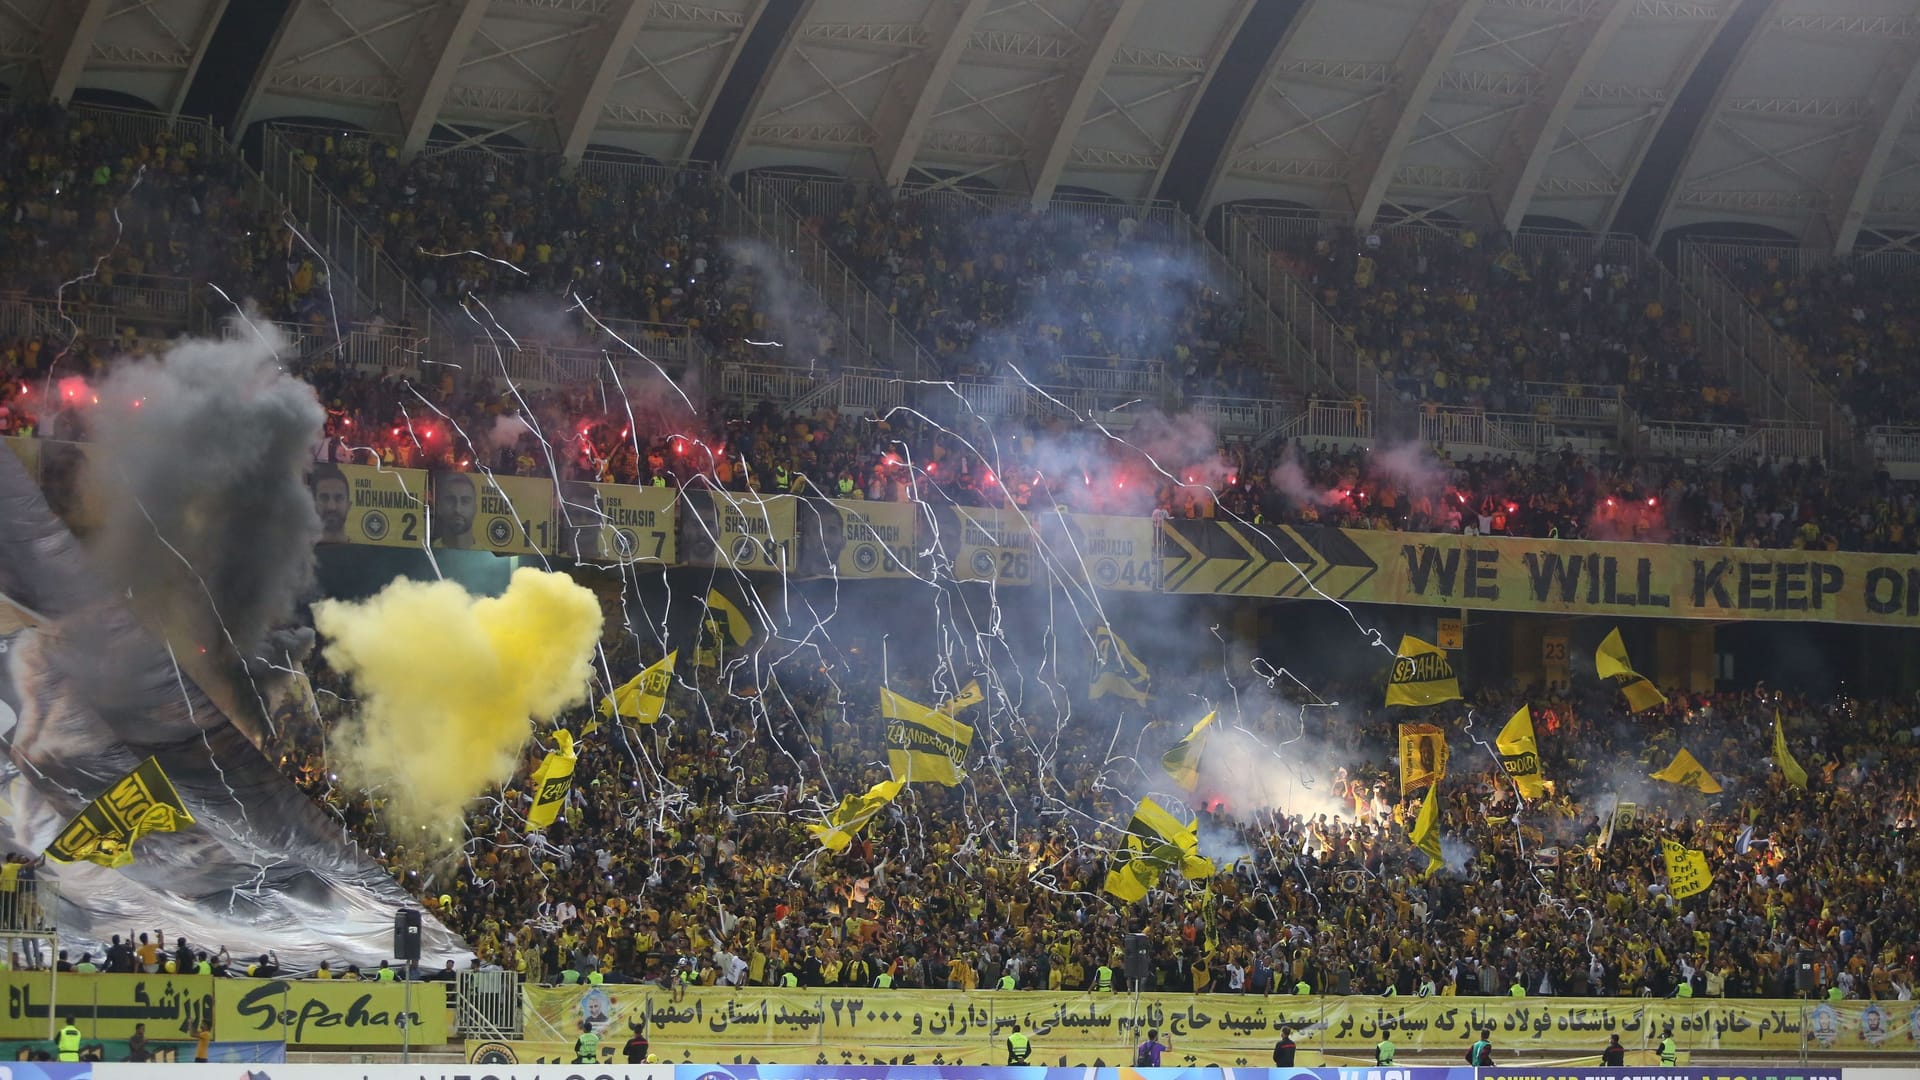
(450, 685)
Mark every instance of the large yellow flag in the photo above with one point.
(1183, 761)
(1157, 842)
(1687, 771)
(1610, 660)
(923, 745)
(1425, 834)
(644, 696)
(551, 781)
(968, 696)
(141, 802)
(1783, 757)
(1120, 672)
(1423, 756)
(732, 620)
(1687, 871)
(1422, 675)
(1519, 755)
(853, 813)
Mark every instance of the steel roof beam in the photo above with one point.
(1051, 132)
(587, 82)
(431, 64)
(1532, 135)
(914, 90)
(1391, 118)
(68, 37)
(1859, 166)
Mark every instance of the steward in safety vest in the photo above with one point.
(884, 981)
(69, 1043)
(586, 1048)
(1103, 979)
(1019, 1048)
(1669, 1050)
(1383, 1051)
(1006, 982)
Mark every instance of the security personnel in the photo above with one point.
(1019, 1047)
(790, 980)
(1006, 982)
(1684, 990)
(1669, 1050)
(1301, 988)
(884, 981)
(69, 1042)
(586, 1048)
(1103, 979)
(1383, 1050)
(595, 977)
(385, 974)
(1516, 990)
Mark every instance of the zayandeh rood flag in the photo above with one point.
(643, 697)
(923, 745)
(968, 696)
(1423, 756)
(551, 781)
(1183, 761)
(1120, 671)
(1610, 660)
(853, 813)
(1687, 870)
(1519, 755)
(1422, 675)
(1783, 757)
(1425, 834)
(1687, 771)
(141, 802)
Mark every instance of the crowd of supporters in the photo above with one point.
(1851, 320)
(1316, 883)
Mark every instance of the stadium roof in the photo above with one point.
(1482, 109)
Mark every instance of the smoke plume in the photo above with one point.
(450, 685)
(204, 450)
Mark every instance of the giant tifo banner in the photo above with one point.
(310, 1013)
(609, 1071)
(852, 539)
(948, 1027)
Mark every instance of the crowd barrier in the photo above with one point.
(121, 1071)
(856, 540)
(883, 1027)
(313, 1014)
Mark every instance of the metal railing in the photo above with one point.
(754, 383)
(1299, 334)
(351, 253)
(876, 338)
(488, 1005)
(29, 907)
(144, 297)
(24, 316)
(1713, 444)
(1891, 444)
(1576, 403)
(1791, 387)
(1477, 429)
(1247, 418)
(143, 126)
(1322, 420)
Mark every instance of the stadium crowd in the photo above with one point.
(1316, 884)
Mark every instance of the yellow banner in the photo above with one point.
(514, 514)
(985, 544)
(385, 507)
(793, 1026)
(605, 523)
(853, 539)
(108, 1006)
(1423, 756)
(737, 530)
(1105, 551)
(327, 1013)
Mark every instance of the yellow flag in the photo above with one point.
(1687, 871)
(1686, 771)
(1425, 834)
(923, 745)
(1120, 672)
(1163, 839)
(551, 781)
(1130, 879)
(1783, 757)
(644, 696)
(1183, 761)
(1422, 675)
(853, 813)
(141, 802)
(1423, 756)
(732, 620)
(968, 696)
(1519, 755)
(1610, 660)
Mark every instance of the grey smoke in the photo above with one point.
(204, 451)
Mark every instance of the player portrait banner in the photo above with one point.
(982, 543)
(384, 507)
(852, 539)
(516, 515)
(618, 523)
(737, 530)
(1102, 550)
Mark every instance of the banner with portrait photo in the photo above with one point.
(617, 523)
(384, 507)
(982, 543)
(507, 515)
(853, 539)
(736, 530)
(1103, 550)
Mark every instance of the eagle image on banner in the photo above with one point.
(1687, 870)
(551, 781)
(1183, 761)
(923, 745)
(853, 813)
(1423, 756)
(1686, 771)
(1519, 755)
(1610, 661)
(1422, 675)
(1120, 672)
(643, 697)
(141, 802)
